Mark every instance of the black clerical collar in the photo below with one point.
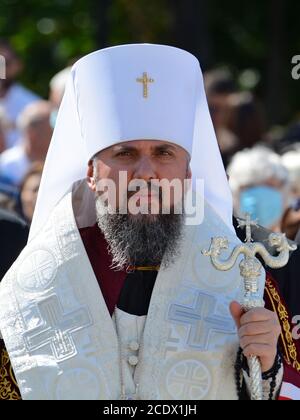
(136, 292)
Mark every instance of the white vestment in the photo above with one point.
(62, 340)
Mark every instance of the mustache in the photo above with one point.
(150, 189)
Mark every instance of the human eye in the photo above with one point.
(165, 153)
(124, 153)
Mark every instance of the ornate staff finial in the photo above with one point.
(250, 270)
(247, 223)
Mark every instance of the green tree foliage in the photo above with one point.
(262, 36)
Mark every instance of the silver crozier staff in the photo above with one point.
(250, 270)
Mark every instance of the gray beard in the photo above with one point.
(140, 239)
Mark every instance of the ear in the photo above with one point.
(90, 176)
(189, 173)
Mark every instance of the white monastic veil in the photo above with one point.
(206, 162)
(68, 154)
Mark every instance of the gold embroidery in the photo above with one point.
(8, 384)
(145, 82)
(131, 268)
(286, 335)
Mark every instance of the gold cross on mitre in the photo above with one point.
(145, 82)
(247, 223)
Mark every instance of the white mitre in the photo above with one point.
(106, 102)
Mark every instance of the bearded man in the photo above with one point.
(115, 300)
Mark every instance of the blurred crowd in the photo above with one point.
(263, 164)
(26, 126)
(263, 167)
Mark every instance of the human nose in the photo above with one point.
(145, 169)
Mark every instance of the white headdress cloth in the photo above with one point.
(103, 105)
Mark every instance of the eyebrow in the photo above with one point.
(164, 146)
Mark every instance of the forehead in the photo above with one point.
(32, 181)
(144, 145)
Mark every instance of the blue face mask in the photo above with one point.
(263, 203)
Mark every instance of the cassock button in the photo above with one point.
(133, 360)
(134, 345)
